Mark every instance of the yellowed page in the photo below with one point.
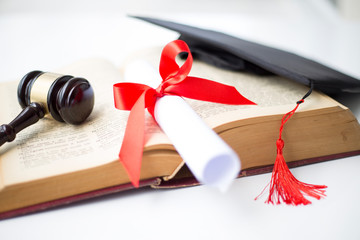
(272, 94)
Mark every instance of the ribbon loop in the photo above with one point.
(136, 97)
(169, 70)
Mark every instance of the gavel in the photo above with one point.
(63, 97)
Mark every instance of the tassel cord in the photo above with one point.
(283, 186)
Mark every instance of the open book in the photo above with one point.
(53, 163)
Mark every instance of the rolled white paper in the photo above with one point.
(208, 157)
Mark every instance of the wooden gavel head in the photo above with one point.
(66, 98)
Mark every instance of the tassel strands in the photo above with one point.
(283, 186)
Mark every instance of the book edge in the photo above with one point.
(76, 198)
(191, 181)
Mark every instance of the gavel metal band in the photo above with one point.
(41, 86)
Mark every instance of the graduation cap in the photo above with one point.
(233, 53)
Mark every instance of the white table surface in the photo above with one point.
(46, 35)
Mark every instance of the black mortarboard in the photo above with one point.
(229, 52)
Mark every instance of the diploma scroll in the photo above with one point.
(208, 157)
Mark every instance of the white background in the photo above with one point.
(46, 35)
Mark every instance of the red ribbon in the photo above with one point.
(135, 98)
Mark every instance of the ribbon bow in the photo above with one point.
(135, 98)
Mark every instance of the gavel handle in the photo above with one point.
(28, 116)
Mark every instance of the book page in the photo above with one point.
(272, 94)
(49, 148)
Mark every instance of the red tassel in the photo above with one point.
(284, 187)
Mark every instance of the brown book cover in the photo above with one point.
(183, 179)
